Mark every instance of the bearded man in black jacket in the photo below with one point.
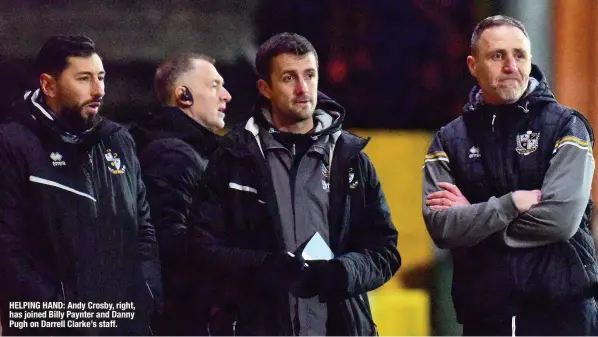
(74, 222)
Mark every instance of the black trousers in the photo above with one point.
(579, 318)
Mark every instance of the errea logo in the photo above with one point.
(57, 159)
(474, 152)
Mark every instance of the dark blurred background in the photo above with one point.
(391, 63)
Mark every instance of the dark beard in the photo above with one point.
(73, 121)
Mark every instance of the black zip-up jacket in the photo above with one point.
(173, 152)
(237, 227)
(504, 258)
(74, 223)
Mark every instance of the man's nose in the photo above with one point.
(97, 89)
(301, 87)
(510, 65)
(226, 96)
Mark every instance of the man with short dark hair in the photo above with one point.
(507, 189)
(288, 177)
(174, 145)
(74, 222)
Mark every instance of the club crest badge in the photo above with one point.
(527, 142)
(115, 166)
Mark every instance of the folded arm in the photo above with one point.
(460, 225)
(565, 191)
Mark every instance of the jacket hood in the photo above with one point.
(33, 112)
(328, 116)
(172, 122)
(538, 91)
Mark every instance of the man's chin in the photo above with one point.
(304, 113)
(82, 123)
(510, 96)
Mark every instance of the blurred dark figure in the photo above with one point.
(174, 145)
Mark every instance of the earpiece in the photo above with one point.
(186, 96)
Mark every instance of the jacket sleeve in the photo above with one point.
(20, 279)
(210, 242)
(147, 246)
(170, 177)
(565, 191)
(373, 257)
(460, 226)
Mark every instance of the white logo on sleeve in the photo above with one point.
(474, 152)
(57, 159)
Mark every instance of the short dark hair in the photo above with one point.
(169, 71)
(280, 44)
(53, 56)
(493, 21)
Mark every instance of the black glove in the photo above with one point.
(326, 279)
(282, 270)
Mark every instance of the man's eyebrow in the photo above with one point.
(90, 73)
(289, 71)
(519, 50)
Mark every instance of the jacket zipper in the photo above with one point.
(493, 118)
(500, 156)
(150, 290)
(63, 293)
(153, 299)
(89, 169)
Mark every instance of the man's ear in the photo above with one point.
(47, 83)
(264, 88)
(471, 65)
(180, 99)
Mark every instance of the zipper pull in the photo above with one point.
(293, 150)
(90, 160)
(493, 118)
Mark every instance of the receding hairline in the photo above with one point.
(170, 71)
(483, 37)
(495, 21)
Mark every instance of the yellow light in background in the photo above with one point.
(398, 157)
